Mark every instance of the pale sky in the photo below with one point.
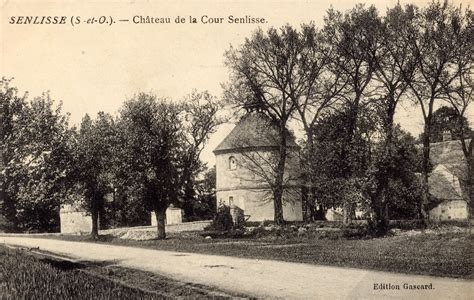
(93, 67)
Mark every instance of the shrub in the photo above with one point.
(6, 225)
(355, 231)
(406, 224)
(259, 223)
(458, 223)
(222, 221)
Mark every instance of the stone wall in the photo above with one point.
(173, 216)
(188, 226)
(450, 210)
(74, 220)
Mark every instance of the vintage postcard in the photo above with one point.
(253, 149)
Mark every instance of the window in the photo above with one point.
(231, 200)
(232, 163)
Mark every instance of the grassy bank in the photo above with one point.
(27, 276)
(448, 254)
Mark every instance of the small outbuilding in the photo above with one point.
(174, 215)
(446, 185)
(74, 219)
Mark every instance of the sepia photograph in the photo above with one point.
(274, 149)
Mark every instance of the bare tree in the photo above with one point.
(460, 89)
(322, 91)
(258, 159)
(434, 48)
(199, 118)
(268, 72)
(354, 37)
(394, 67)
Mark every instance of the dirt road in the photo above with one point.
(261, 278)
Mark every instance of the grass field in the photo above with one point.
(31, 276)
(448, 254)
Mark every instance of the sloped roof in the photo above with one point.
(443, 185)
(449, 154)
(253, 131)
(449, 168)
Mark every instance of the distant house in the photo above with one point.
(449, 197)
(244, 162)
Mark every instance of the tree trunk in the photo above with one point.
(348, 171)
(278, 205)
(188, 197)
(308, 177)
(346, 212)
(312, 204)
(384, 177)
(380, 221)
(467, 150)
(304, 202)
(470, 182)
(7, 203)
(160, 223)
(95, 223)
(188, 187)
(9, 211)
(278, 189)
(425, 193)
(320, 212)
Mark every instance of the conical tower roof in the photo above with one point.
(253, 131)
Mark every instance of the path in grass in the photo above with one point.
(34, 275)
(445, 254)
(261, 278)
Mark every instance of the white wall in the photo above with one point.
(249, 190)
(450, 210)
(173, 216)
(74, 220)
(258, 204)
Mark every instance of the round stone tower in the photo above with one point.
(245, 166)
